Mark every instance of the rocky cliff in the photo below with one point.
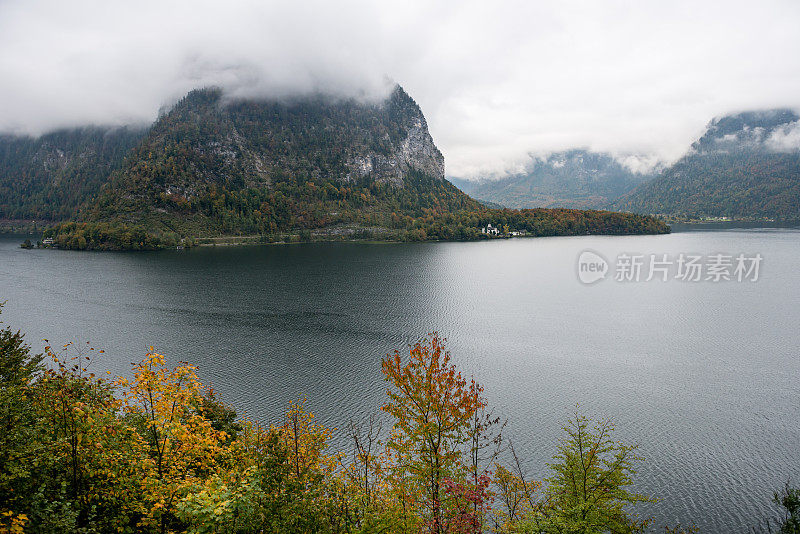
(416, 152)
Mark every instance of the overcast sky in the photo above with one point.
(496, 79)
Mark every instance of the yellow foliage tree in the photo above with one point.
(270, 479)
(516, 499)
(181, 445)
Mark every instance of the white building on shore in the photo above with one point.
(490, 230)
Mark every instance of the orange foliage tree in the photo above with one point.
(432, 406)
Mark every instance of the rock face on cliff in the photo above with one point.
(416, 152)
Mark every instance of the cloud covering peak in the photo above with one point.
(495, 80)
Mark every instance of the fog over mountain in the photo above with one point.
(570, 179)
(496, 81)
(745, 165)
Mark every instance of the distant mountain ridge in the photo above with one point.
(569, 179)
(745, 165)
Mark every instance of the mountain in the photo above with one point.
(214, 166)
(220, 168)
(571, 179)
(745, 165)
(48, 178)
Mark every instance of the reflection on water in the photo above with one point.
(705, 376)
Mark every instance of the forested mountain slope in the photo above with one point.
(744, 166)
(571, 179)
(48, 178)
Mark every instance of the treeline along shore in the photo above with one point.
(460, 226)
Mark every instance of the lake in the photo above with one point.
(704, 375)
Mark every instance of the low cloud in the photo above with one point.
(641, 164)
(496, 81)
(785, 138)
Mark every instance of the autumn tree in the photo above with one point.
(82, 459)
(365, 473)
(371, 497)
(221, 416)
(589, 487)
(181, 444)
(269, 479)
(484, 447)
(366, 467)
(433, 407)
(516, 496)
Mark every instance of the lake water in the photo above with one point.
(705, 376)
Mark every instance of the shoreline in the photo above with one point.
(258, 241)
